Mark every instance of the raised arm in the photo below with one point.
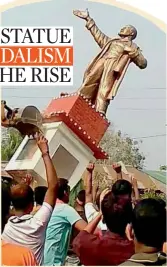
(95, 189)
(100, 38)
(135, 189)
(118, 169)
(88, 190)
(92, 226)
(51, 194)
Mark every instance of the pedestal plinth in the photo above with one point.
(73, 129)
(81, 117)
(70, 156)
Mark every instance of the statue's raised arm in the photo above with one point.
(100, 38)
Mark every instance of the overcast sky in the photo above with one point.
(139, 107)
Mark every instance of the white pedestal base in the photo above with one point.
(69, 154)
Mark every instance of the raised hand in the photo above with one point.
(27, 179)
(42, 143)
(90, 167)
(117, 167)
(133, 181)
(81, 14)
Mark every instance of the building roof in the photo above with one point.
(105, 174)
(160, 176)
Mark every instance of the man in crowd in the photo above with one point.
(149, 233)
(90, 210)
(72, 258)
(80, 204)
(113, 248)
(59, 228)
(39, 194)
(123, 187)
(12, 255)
(25, 229)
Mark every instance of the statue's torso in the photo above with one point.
(116, 49)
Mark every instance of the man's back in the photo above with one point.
(58, 234)
(29, 231)
(111, 249)
(13, 255)
(147, 259)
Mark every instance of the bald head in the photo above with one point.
(22, 197)
(128, 31)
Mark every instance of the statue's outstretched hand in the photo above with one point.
(81, 14)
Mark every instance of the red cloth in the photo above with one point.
(111, 249)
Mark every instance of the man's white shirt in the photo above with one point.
(91, 213)
(29, 230)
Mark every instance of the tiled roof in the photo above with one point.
(105, 174)
(161, 176)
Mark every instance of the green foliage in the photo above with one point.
(122, 148)
(74, 192)
(163, 168)
(151, 193)
(11, 139)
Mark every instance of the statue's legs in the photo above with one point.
(106, 83)
(91, 83)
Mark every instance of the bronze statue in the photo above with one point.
(106, 72)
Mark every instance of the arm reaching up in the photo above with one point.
(95, 192)
(52, 179)
(100, 38)
(89, 195)
(118, 169)
(135, 187)
(92, 226)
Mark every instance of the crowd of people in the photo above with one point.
(112, 227)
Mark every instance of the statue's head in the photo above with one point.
(128, 31)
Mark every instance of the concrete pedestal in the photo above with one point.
(70, 156)
(74, 130)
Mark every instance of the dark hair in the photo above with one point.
(117, 213)
(149, 222)
(122, 187)
(6, 201)
(81, 196)
(162, 202)
(22, 196)
(62, 188)
(39, 193)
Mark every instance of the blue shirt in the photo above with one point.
(58, 234)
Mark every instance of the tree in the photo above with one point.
(122, 148)
(163, 167)
(151, 193)
(74, 192)
(11, 139)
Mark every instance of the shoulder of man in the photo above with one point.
(146, 259)
(130, 263)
